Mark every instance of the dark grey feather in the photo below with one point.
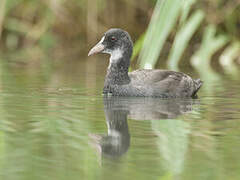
(154, 83)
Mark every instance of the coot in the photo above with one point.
(143, 82)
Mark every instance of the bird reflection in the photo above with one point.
(118, 109)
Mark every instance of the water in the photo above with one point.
(55, 124)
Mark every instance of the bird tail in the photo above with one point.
(198, 83)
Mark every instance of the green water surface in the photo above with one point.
(56, 125)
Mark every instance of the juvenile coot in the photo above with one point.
(144, 82)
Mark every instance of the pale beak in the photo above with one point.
(99, 47)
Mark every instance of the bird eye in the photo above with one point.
(113, 38)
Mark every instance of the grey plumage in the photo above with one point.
(154, 83)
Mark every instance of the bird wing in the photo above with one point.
(162, 82)
(145, 76)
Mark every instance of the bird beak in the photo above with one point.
(99, 47)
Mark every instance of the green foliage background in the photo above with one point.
(165, 31)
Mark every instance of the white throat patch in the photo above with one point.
(116, 54)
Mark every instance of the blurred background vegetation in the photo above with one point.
(197, 33)
(48, 88)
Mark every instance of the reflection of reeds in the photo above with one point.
(43, 135)
(172, 138)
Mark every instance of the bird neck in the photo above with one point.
(117, 73)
